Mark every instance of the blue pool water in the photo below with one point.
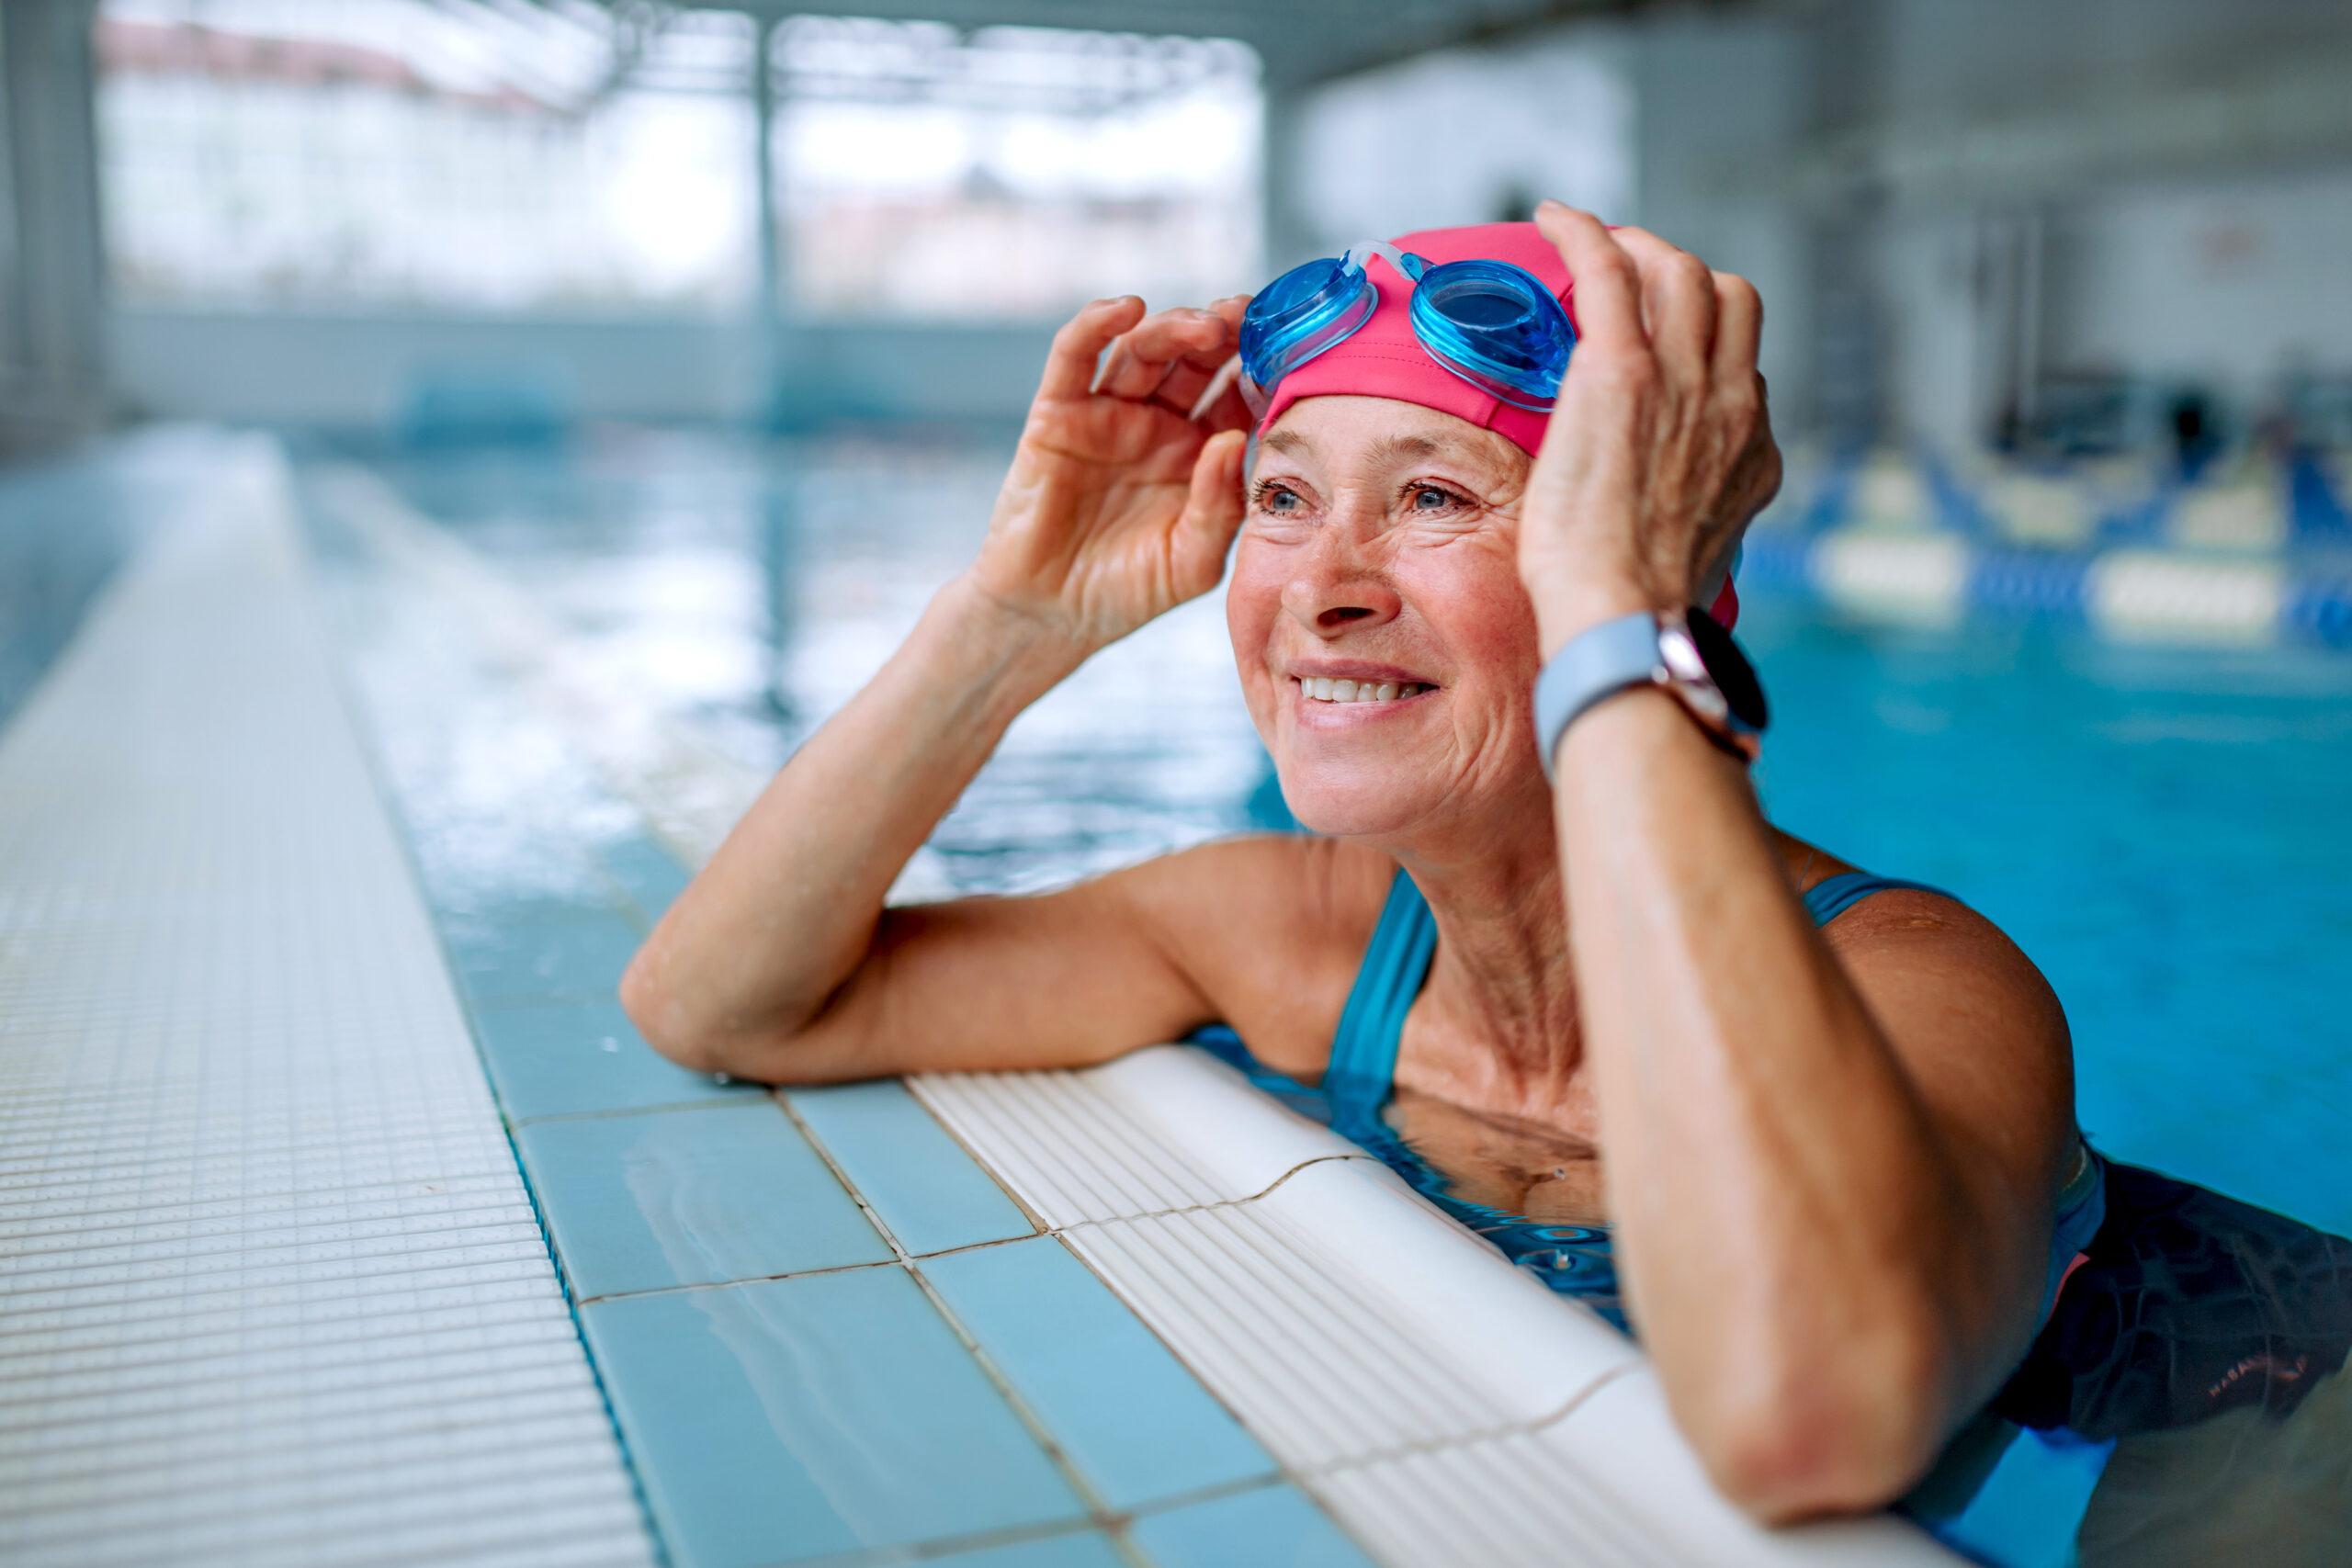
(2162, 830)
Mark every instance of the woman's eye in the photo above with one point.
(1276, 498)
(1429, 498)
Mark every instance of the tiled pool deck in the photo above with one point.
(274, 1289)
(270, 1288)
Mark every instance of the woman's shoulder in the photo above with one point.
(1270, 928)
(1831, 886)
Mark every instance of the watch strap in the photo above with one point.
(1602, 659)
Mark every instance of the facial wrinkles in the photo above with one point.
(1459, 562)
(1436, 588)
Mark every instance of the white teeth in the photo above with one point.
(1327, 689)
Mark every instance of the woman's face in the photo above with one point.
(1384, 534)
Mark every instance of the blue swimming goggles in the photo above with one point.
(1494, 324)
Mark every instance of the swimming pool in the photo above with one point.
(2162, 830)
(2159, 828)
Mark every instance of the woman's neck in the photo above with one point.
(1500, 1009)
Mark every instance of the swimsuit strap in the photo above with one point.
(1832, 895)
(1362, 1069)
(1396, 964)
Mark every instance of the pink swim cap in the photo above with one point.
(1383, 359)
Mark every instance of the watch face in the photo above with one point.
(1729, 668)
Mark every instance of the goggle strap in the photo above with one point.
(1229, 374)
(1407, 265)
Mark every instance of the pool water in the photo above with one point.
(2162, 830)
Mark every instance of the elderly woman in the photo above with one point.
(1838, 1156)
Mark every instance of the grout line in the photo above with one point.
(1080, 1486)
(916, 1092)
(1479, 1435)
(1116, 1527)
(873, 1216)
(903, 1255)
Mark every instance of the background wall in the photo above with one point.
(1949, 207)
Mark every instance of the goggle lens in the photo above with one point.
(1496, 327)
(1494, 324)
(1300, 314)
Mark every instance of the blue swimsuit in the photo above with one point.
(1573, 1260)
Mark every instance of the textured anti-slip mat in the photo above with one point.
(271, 1288)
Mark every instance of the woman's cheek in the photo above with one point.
(1253, 600)
(1480, 609)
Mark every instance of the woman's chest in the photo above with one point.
(1507, 1146)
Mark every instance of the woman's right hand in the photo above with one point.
(1120, 505)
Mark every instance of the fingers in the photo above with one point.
(1607, 298)
(1212, 509)
(1739, 328)
(1222, 405)
(1178, 350)
(1200, 386)
(1219, 404)
(1679, 304)
(1070, 362)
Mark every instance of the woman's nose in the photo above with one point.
(1339, 582)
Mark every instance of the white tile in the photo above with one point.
(1625, 1441)
(1527, 1351)
(1125, 1138)
(1343, 1318)
(271, 1288)
(1618, 1487)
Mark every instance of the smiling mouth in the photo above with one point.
(1339, 690)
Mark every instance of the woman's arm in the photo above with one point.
(1116, 509)
(1832, 1165)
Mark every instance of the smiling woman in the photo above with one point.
(1839, 1170)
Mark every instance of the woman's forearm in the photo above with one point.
(1786, 1212)
(786, 909)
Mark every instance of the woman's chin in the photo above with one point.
(1336, 806)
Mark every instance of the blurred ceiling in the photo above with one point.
(1300, 41)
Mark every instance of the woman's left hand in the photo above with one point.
(1659, 450)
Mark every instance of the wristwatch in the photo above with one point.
(1691, 655)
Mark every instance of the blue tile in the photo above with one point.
(483, 863)
(566, 1058)
(1083, 1549)
(474, 916)
(548, 960)
(690, 1197)
(651, 873)
(1137, 1425)
(928, 1190)
(1274, 1527)
(798, 1418)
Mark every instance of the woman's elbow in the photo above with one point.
(704, 1044)
(1823, 1439)
(668, 1026)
